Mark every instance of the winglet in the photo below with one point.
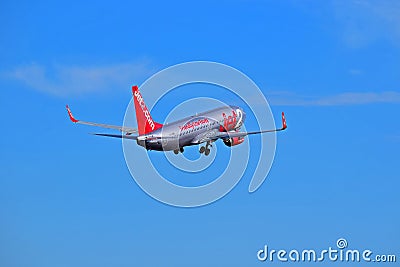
(284, 126)
(71, 117)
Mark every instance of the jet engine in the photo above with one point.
(233, 141)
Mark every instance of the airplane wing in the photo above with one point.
(213, 135)
(135, 137)
(127, 130)
(224, 135)
(124, 136)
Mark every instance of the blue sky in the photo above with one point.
(67, 198)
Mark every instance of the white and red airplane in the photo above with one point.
(206, 127)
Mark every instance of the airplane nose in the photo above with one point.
(243, 115)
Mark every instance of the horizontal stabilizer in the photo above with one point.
(124, 136)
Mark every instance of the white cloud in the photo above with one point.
(62, 80)
(365, 21)
(348, 98)
(355, 72)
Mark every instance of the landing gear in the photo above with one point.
(205, 149)
(176, 151)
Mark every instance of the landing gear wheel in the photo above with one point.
(176, 151)
(202, 149)
(207, 152)
(181, 149)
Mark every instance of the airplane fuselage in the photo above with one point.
(192, 130)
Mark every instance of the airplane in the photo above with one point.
(203, 128)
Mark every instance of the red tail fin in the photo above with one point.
(145, 122)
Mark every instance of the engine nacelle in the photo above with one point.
(234, 141)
